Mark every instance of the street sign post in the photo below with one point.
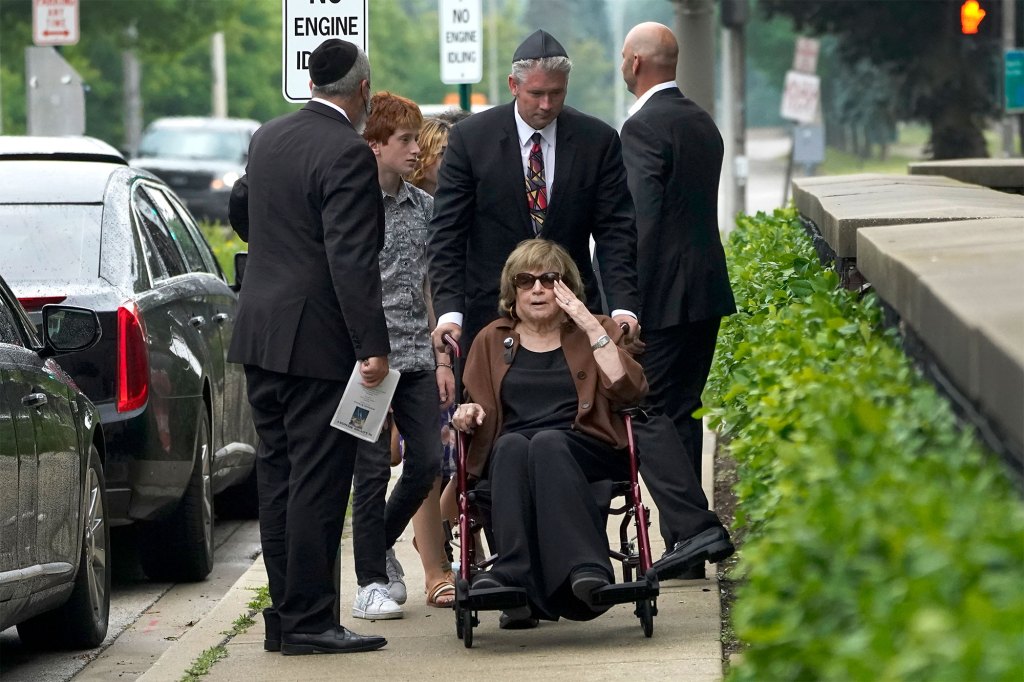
(307, 23)
(461, 40)
(54, 22)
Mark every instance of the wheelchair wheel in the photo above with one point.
(458, 621)
(467, 628)
(645, 612)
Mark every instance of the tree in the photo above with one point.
(941, 76)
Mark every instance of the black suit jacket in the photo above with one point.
(310, 208)
(480, 212)
(673, 155)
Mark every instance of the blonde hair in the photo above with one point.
(536, 254)
(433, 137)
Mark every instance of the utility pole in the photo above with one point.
(695, 30)
(132, 94)
(735, 14)
(218, 65)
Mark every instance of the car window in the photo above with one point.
(50, 242)
(212, 266)
(179, 233)
(153, 228)
(8, 327)
(194, 144)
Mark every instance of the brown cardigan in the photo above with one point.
(486, 368)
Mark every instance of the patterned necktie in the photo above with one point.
(536, 190)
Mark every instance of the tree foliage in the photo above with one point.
(939, 75)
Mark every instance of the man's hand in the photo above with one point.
(437, 336)
(445, 386)
(631, 322)
(631, 342)
(373, 370)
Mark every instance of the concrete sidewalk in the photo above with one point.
(686, 642)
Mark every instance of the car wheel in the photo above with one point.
(179, 548)
(81, 622)
(240, 501)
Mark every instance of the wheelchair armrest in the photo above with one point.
(635, 412)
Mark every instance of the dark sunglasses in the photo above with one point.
(525, 280)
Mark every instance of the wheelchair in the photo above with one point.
(633, 552)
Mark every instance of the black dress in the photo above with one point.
(545, 517)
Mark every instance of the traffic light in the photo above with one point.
(971, 15)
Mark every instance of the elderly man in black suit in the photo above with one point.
(309, 310)
(529, 168)
(673, 156)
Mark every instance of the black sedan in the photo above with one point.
(54, 536)
(79, 226)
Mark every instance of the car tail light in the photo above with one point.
(132, 359)
(34, 303)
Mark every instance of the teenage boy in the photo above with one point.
(427, 383)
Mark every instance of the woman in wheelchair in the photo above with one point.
(542, 384)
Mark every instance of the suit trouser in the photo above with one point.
(304, 474)
(676, 361)
(376, 525)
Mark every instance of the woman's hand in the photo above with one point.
(468, 416)
(576, 309)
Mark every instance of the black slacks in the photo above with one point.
(677, 362)
(376, 525)
(304, 473)
(545, 518)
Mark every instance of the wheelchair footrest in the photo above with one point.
(624, 593)
(494, 598)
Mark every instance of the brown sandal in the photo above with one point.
(441, 595)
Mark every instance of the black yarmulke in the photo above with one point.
(331, 61)
(538, 45)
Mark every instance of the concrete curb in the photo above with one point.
(212, 630)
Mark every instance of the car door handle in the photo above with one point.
(197, 321)
(219, 318)
(34, 400)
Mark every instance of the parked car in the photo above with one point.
(79, 226)
(54, 534)
(200, 158)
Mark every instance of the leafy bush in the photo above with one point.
(225, 244)
(882, 542)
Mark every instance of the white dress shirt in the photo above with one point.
(642, 100)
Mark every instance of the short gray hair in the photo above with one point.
(559, 64)
(348, 84)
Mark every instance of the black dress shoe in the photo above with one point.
(517, 619)
(336, 640)
(711, 545)
(486, 581)
(272, 630)
(584, 581)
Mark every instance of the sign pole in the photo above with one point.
(465, 92)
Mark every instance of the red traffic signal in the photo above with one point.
(971, 15)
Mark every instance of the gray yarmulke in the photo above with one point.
(538, 45)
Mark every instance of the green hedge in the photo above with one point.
(882, 542)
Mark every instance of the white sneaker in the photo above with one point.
(396, 577)
(374, 603)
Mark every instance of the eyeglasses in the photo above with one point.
(525, 280)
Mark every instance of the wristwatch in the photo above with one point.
(601, 342)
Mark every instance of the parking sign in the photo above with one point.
(54, 22)
(306, 24)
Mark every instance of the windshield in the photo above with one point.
(194, 143)
(50, 242)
